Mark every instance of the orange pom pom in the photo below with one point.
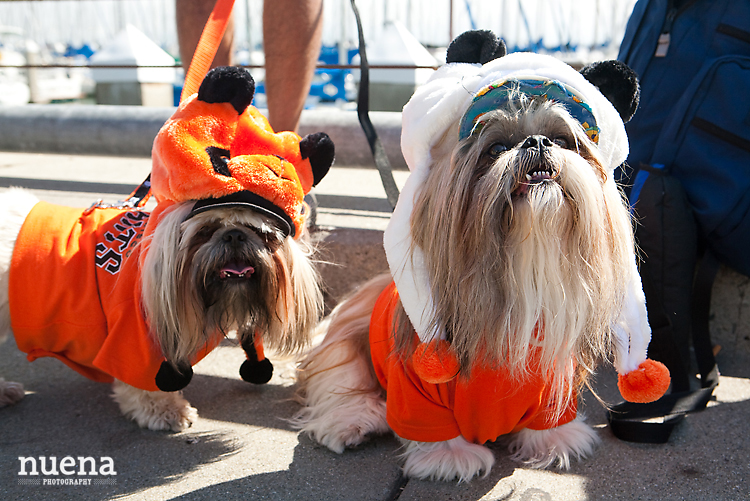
(434, 362)
(645, 384)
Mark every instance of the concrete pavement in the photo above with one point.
(242, 447)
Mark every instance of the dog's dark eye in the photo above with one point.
(206, 232)
(269, 237)
(561, 142)
(496, 150)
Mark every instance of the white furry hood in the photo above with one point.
(438, 105)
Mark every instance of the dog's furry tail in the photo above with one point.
(338, 388)
(349, 322)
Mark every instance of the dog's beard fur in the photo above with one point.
(187, 300)
(524, 274)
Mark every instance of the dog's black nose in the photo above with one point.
(234, 236)
(536, 141)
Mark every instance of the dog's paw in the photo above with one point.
(556, 446)
(10, 392)
(449, 460)
(154, 410)
(177, 415)
(344, 420)
(347, 434)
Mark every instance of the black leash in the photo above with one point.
(136, 200)
(140, 195)
(363, 106)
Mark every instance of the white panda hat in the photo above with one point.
(476, 64)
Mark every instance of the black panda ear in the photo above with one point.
(618, 83)
(477, 46)
(319, 148)
(228, 84)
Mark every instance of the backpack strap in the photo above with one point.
(705, 274)
(654, 422)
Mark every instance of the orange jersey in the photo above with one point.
(75, 293)
(487, 405)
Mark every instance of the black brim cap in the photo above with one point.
(250, 200)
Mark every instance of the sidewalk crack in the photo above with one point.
(398, 488)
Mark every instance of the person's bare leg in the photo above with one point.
(292, 32)
(191, 18)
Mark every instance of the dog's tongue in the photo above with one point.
(234, 270)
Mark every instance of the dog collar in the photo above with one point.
(497, 94)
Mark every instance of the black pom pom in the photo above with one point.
(228, 84)
(170, 379)
(319, 149)
(478, 46)
(256, 372)
(618, 83)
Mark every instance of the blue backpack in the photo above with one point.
(693, 62)
(687, 177)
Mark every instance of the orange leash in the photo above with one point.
(207, 47)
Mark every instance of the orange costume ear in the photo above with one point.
(219, 150)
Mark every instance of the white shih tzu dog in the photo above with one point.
(513, 273)
(136, 298)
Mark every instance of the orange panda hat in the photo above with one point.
(218, 150)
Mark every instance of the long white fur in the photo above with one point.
(556, 446)
(455, 459)
(556, 269)
(343, 405)
(562, 264)
(434, 109)
(300, 300)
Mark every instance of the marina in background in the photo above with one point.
(48, 48)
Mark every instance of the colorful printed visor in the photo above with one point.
(495, 96)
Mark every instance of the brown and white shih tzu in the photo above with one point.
(136, 298)
(513, 273)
